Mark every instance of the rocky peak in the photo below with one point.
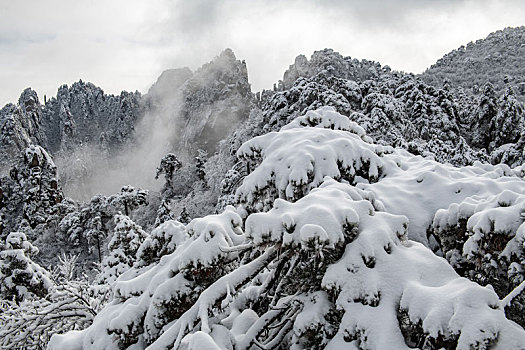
(223, 73)
(332, 64)
(28, 101)
(216, 99)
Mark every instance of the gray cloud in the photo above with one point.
(14, 39)
(126, 45)
(409, 34)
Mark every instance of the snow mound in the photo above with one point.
(211, 237)
(295, 160)
(483, 237)
(364, 287)
(324, 226)
(327, 117)
(418, 187)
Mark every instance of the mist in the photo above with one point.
(90, 170)
(183, 112)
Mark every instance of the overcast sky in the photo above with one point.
(125, 45)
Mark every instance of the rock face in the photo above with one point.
(20, 126)
(203, 107)
(82, 113)
(215, 100)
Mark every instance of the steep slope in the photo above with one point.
(216, 99)
(498, 59)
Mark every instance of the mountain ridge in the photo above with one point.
(496, 59)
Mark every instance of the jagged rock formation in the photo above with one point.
(80, 115)
(83, 114)
(20, 126)
(215, 100)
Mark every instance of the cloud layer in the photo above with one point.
(125, 45)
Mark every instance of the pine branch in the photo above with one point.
(515, 292)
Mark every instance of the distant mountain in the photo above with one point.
(402, 110)
(498, 59)
(79, 115)
(82, 125)
(214, 100)
(333, 64)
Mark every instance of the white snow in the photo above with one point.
(299, 202)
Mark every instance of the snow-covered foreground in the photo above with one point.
(327, 248)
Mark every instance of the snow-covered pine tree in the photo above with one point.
(184, 217)
(70, 305)
(200, 161)
(128, 199)
(483, 239)
(164, 213)
(508, 124)
(86, 226)
(381, 115)
(31, 193)
(319, 265)
(340, 152)
(122, 249)
(486, 114)
(169, 164)
(20, 277)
